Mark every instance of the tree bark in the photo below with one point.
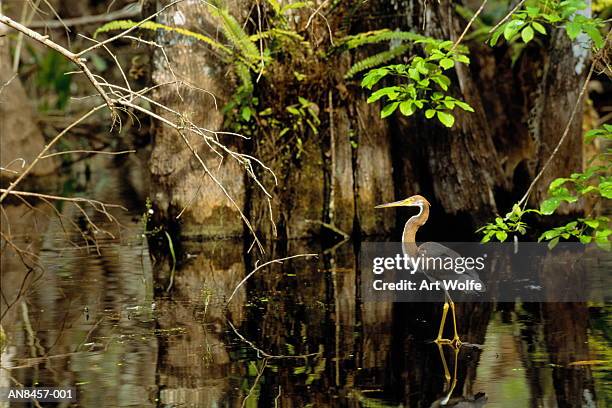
(356, 160)
(486, 161)
(179, 183)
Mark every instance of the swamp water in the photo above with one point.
(295, 334)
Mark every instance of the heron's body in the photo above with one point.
(432, 250)
(435, 250)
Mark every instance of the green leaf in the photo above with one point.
(527, 34)
(605, 189)
(446, 118)
(532, 11)
(538, 27)
(553, 243)
(595, 35)
(549, 234)
(447, 63)
(389, 109)
(501, 236)
(246, 113)
(556, 183)
(512, 28)
(407, 107)
(462, 58)
(585, 239)
(390, 92)
(373, 76)
(573, 29)
(464, 106)
(550, 205)
(592, 223)
(429, 113)
(496, 35)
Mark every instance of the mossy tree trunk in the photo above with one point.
(355, 160)
(486, 161)
(179, 182)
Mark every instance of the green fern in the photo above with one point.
(377, 59)
(295, 6)
(378, 36)
(150, 25)
(246, 82)
(276, 33)
(237, 36)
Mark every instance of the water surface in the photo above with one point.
(97, 314)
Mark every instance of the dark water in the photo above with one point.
(294, 335)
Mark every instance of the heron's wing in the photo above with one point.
(436, 250)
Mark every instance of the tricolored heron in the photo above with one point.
(432, 250)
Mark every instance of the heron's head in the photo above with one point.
(414, 201)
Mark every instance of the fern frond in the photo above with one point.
(276, 32)
(246, 82)
(275, 6)
(237, 36)
(377, 59)
(295, 6)
(378, 36)
(153, 26)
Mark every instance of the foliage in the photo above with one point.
(305, 113)
(378, 36)
(425, 83)
(502, 227)
(376, 60)
(594, 182)
(52, 75)
(535, 16)
(397, 47)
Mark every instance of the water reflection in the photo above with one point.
(101, 319)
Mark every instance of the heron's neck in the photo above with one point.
(411, 228)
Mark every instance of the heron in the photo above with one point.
(432, 250)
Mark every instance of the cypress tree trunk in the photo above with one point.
(488, 158)
(179, 183)
(355, 160)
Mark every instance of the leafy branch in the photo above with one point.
(423, 83)
(535, 16)
(594, 182)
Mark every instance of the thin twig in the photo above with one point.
(129, 30)
(75, 58)
(469, 24)
(88, 152)
(264, 354)
(46, 149)
(523, 200)
(131, 10)
(60, 198)
(280, 260)
(264, 364)
(503, 20)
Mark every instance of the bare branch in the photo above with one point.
(280, 260)
(469, 24)
(131, 10)
(75, 58)
(503, 20)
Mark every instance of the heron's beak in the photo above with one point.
(401, 203)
